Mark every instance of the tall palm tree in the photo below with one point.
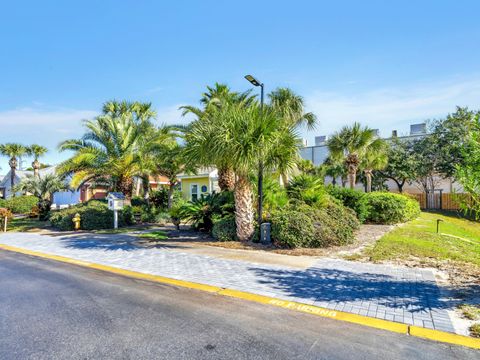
(213, 100)
(108, 151)
(290, 108)
(36, 151)
(238, 136)
(374, 159)
(351, 144)
(13, 151)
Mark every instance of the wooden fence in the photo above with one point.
(439, 201)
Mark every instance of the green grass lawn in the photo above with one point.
(26, 224)
(458, 240)
(154, 235)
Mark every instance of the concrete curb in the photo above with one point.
(429, 334)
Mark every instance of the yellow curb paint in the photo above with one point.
(435, 335)
(315, 310)
(444, 337)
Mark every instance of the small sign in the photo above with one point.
(116, 201)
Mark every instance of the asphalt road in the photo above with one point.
(51, 310)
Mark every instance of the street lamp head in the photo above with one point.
(253, 81)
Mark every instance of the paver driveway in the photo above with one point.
(399, 294)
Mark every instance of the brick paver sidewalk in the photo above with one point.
(399, 294)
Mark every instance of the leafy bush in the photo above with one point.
(309, 189)
(390, 208)
(138, 201)
(292, 229)
(159, 198)
(94, 215)
(306, 226)
(225, 229)
(200, 213)
(352, 199)
(21, 204)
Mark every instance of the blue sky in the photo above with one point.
(383, 63)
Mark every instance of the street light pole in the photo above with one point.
(255, 82)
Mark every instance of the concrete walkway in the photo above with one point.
(400, 294)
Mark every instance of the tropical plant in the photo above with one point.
(334, 168)
(375, 158)
(309, 189)
(351, 144)
(111, 149)
(216, 97)
(43, 188)
(36, 151)
(240, 136)
(13, 151)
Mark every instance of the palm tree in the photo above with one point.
(334, 169)
(212, 100)
(108, 152)
(239, 136)
(43, 188)
(374, 159)
(13, 151)
(290, 108)
(37, 151)
(351, 144)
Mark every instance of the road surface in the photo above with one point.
(51, 310)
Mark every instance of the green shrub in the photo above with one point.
(159, 198)
(21, 204)
(225, 229)
(138, 201)
(309, 189)
(94, 215)
(390, 208)
(301, 225)
(292, 229)
(352, 199)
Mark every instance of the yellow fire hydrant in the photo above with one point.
(76, 221)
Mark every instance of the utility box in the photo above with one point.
(116, 201)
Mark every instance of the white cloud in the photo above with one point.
(392, 108)
(171, 115)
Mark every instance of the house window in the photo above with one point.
(204, 188)
(194, 192)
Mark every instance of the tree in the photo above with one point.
(351, 144)
(13, 151)
(401, 163)
(452, 137)
(426, 162)
(468, 173)
(213, 100)
(375, 158)
(109, 151)
(36, 151)
(334, 168)
(290, 108)
(240, 136)
(43, 188)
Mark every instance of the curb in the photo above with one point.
(435, 335)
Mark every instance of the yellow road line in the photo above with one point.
(310, 309)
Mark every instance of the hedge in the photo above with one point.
(390, 208)
(305, 226)
(94, 215)
(352, 199)
(225, 229)
(20, 204)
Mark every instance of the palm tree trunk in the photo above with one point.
(171, 187)
(146, 187)
(13, 167)
(226, 179)
(352, 176)
(244, 208)
(36, 168)
(125, 185)
(368, 175)
(284, 179)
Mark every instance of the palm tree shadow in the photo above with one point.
(339, 286)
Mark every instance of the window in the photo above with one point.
(204, 188)
(194, 192)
